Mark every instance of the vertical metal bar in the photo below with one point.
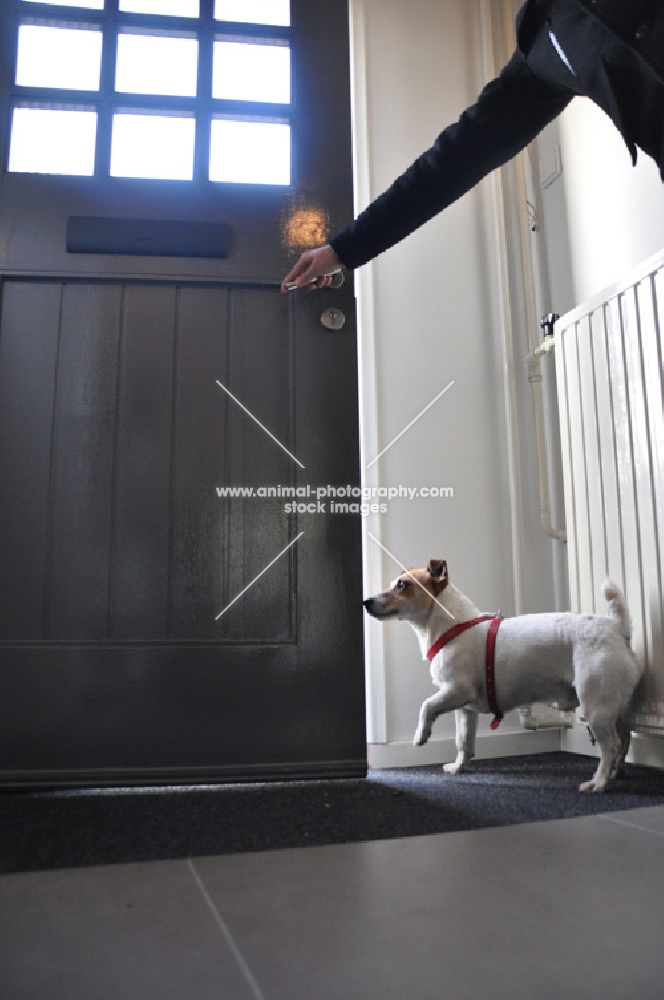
(564, 365)
(586, 575)
(634, 553)
(599, 415)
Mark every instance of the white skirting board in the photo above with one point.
(383, 755)
(645, 750)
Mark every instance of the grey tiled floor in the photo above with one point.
(570, 908)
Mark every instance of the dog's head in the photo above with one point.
(411, 596)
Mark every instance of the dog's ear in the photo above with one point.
(437, 570)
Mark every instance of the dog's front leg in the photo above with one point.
(445, 700)
(466, 727)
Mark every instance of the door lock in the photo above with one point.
(332, 319)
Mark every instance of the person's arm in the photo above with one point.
(509, 113)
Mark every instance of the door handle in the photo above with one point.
(338, 278)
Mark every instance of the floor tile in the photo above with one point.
(568, 908)
(650, 819)
(116, 933)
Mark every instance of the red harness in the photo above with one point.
(489, 660)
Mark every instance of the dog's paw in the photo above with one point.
(456, 767)
(420, 738)
(591, 786)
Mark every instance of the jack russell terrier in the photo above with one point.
(482, 663)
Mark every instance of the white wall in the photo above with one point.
(429, 315)
(431, 312)
(613, 213)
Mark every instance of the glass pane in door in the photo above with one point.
(250, 152)
(63, 58)
(87, 4)
(250, 71)
(52, 141)
(253, 11)
(156, 64)
(152, 145)
(170, 8)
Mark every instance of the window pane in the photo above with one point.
(48, 141)
(158, 146)
(250, 152)
(174, 8)
(245, 71)
(156, 64)
(88, 4)
(253, 11)
(67, 58)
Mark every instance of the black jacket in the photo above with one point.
(623, 74)
(638, 23)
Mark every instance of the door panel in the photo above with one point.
(28, 352)
(117, 554)
(144, 405)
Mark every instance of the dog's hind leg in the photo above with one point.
(445, 700)
(625, 736)
(466, 727)
(606, 734)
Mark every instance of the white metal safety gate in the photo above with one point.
(611, 402)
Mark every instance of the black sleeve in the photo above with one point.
(509, 113)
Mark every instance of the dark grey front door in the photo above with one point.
(165, 611)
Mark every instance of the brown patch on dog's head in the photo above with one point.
(410, 596)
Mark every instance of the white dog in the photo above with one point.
(481, 663)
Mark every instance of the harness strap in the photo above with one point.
(489, 660)
(453, 632)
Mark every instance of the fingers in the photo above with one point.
(309, 286)
(306, 274)
(313, 270)
(324, 281)
(298, 275)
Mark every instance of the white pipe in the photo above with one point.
(535, 353)
(555, 720)
(532, 283)
(497, 216)
(533, 365)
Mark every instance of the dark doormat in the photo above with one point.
(65, 829)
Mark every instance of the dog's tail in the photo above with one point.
(617, 607)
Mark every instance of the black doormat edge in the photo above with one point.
(42, 830)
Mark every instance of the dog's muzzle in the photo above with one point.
(375, 608)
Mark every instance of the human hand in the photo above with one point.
(314, 269)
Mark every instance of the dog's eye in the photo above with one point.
(402, 584)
